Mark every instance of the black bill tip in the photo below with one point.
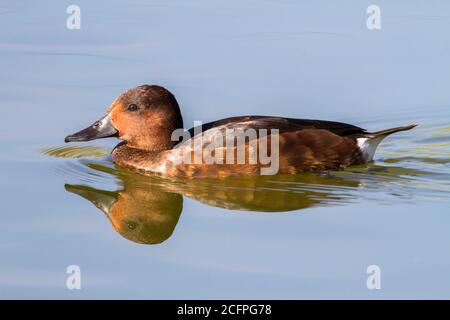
(103, 128)
(71, 138)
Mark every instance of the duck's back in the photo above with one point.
(280, 123)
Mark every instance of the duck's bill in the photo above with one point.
(102, 128)
(102, 199)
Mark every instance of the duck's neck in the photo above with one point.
(152, 143)
(133, 158)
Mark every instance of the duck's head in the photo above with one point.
(144, 117)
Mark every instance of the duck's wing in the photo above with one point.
(282, 124)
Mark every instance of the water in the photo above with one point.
(305, 236)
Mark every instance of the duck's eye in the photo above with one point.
(132, 107)
(131, 225)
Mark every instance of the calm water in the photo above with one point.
(306, 236)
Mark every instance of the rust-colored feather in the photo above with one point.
(299, 151)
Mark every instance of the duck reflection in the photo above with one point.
(147, 209)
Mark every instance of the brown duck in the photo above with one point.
(146, 117)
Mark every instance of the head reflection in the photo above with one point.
(140, 213)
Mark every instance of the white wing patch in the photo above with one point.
(368, 146)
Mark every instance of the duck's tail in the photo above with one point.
(370, 141)
(386, 132)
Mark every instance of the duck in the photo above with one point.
(148, 120)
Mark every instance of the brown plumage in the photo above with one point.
(145, 118)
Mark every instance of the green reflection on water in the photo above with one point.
(82, 151)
